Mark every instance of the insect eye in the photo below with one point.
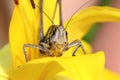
(53, 32)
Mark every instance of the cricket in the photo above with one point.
(55, 41)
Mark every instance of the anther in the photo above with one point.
(16, 2)
(32, 3)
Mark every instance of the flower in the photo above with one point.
(63, 68)
(5, 62)
(24, 29)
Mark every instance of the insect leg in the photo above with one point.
(40, 47)
(29, 45)
(75, 43)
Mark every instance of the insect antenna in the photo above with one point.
(76, 12)
(60, 12)
(41, 10)
(41, 34)
(58, 2)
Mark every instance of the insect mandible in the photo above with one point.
(55, 42)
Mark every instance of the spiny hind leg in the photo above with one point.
(40, 47)
(76, 43)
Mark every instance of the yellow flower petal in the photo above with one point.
(83, 20)
(3, 75)
(5, 62)
(109, 75)
(22, 30)
(86, 67)
(5, 59)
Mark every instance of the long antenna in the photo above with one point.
(60, 11)
(76, 12)
(55, 10)
(41, 21)
(41, 9)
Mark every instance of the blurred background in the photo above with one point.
(6, 8)
(106, 37)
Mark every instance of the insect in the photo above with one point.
(55, 42)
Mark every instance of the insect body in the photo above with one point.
(55, 42)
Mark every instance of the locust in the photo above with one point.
(55, 42)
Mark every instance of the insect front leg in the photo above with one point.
(75, 43)
(42, 47)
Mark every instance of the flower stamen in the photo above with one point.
(32, 3)
(16, 2)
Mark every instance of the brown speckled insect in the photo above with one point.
(55, 42)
